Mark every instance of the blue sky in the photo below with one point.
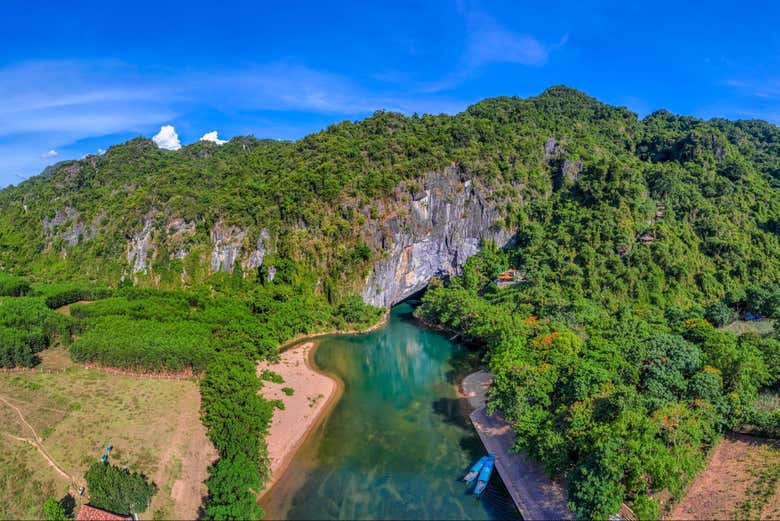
(77, 79)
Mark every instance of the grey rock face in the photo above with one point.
(428, 230)
(552, 149)
(227, 242)
(255, 259)
(77, 232)
(138, 247)
(565, 171)
(570, 170)
(179, 231)
(58, 219)
(431, 235)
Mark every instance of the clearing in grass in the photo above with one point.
(70, 414)
(741, 481)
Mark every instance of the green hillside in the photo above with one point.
(716, 180)
(633, 238)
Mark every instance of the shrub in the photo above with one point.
(720, 314)
(57, 296)
(645, 507)
(118, 490)
(54, 511)
(11, 286)
(272, 376)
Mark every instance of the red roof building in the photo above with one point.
(90, 513)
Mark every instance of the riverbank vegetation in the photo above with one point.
(624, 402)
(216, 332)
(606, 357)
(615, 354)
(622, 397)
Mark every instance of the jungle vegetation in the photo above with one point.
(637, 238)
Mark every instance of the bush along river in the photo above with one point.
(398, 441)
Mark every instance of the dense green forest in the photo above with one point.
(608, 172)
(636, 238)
(621, 396)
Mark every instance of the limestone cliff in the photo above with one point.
(430, 234)
(427, 228)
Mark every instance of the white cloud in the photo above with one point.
(77, 99)
(489, 42)
(283, 85)
(68, 104)
(167, 138)
(50, 153)
(212, 136)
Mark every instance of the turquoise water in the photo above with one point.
(396, 444)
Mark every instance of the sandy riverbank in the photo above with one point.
(314, 394)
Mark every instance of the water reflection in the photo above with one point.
(397, 442)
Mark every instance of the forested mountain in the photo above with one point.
(632, 240)
(562, 169)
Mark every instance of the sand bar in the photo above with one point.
(313, 395)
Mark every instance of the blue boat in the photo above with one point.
(484, 475)
(474, 472)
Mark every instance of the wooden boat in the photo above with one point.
(474, 471)
(484, 475)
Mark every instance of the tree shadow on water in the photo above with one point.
(464, 361)
(453, 411)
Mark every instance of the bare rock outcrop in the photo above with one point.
(431, 234)
(139, 246)
(227, 242)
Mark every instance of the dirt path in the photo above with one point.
(46, 456)
(21, 417)
(190, 448)
(65, 310)
(37, 442)
(740, 482)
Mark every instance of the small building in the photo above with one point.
(90, 513)
(509, 277)
(646, 238)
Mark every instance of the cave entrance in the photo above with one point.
(415, 299)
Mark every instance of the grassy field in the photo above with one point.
(741, 481)
(73, 412)
(760, 327)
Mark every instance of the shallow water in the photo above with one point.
(396, 444)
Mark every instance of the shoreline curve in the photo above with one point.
(292, 427)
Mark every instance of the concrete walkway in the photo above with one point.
(536, 496)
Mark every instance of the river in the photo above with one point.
(397, 442)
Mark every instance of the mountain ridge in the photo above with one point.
(310, 207)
